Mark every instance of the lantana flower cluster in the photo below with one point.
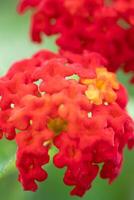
(72, 102)
(106, 27)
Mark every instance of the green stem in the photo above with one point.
(7, 167)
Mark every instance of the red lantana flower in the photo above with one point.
(71, 102)
(87, 24)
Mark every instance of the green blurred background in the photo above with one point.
(15, 45)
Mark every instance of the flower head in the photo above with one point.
(108, 29)
(56, 102)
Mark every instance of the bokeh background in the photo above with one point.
(15, 44)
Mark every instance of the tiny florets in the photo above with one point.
(71, 102)
(108, 28)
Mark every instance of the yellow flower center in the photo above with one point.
(102, 88)
(57, 125)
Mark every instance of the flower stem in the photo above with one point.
(7, 167)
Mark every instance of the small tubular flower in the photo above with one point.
(108, 28)
(101, 88)
(73, 103)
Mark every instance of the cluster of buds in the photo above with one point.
(72, 102)
(108, 27)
